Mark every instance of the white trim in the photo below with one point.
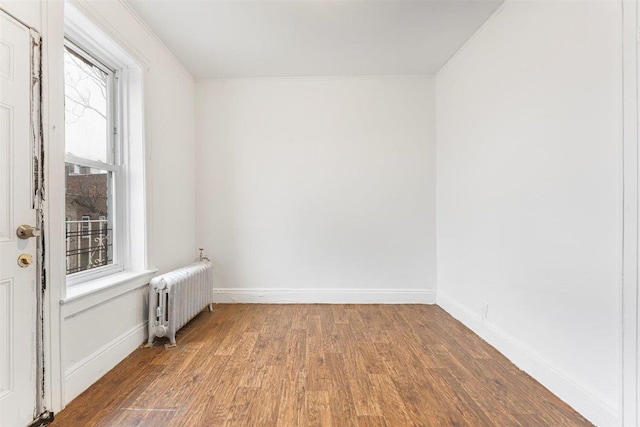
(95, 164)
(319, 78)
(90, 294)
(52, 21)
(129, 212)
(93, 274)
(324, 296)
(629, 287)
(88, 11)
(82, 374)
(579, 397)
(89, 41)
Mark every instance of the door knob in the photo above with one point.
(26, 231)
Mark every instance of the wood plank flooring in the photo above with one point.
(319, 365)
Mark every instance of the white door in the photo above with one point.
(17, 280)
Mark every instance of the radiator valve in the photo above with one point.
(204, 257)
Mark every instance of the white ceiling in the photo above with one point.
(271, 38)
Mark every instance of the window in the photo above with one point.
(106, 201)
(93, 164)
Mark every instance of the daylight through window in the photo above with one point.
(92, 167)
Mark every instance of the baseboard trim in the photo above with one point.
(82, 374)
(586, 403)
(324, 296)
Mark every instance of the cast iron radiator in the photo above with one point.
(176, 297)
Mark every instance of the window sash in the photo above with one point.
(114, 224)
(112, 91)
(81, 161)
(113, 165)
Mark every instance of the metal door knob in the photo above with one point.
(26, 231)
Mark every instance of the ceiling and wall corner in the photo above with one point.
(223, 39)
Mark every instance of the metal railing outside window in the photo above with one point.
(89, 244)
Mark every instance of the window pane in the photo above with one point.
(86, 106)
(89, 227)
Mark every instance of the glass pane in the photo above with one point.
(85, 108)
(89, 226)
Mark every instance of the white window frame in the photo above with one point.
(115, 162)
(131, 195)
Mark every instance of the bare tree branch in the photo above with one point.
(80, 76)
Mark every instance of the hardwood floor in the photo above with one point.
(319, 365)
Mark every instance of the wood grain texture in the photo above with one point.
(319, 365)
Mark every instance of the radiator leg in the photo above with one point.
(172, 341)
(210, 307)
(149, 343)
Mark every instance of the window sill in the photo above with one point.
(84, 296)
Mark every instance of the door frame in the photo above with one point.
(629, 296)
(52, 113)
(37, 145)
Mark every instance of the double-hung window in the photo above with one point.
(93, 166)
(106, 221)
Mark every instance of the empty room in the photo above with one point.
(319, 213)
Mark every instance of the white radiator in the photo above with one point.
(176, 297)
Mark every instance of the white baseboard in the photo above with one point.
(82, 374)
(585, 402)
(324, 296)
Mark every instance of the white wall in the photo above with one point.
(529, 193)
(318, 189)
